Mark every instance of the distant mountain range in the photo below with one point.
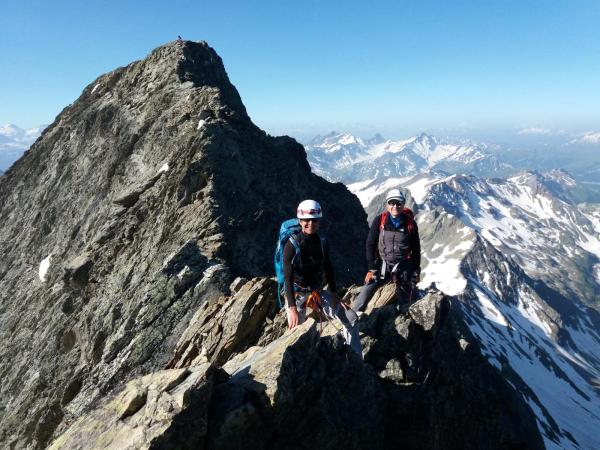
(350, 159)
(346, 158)
(14, 141)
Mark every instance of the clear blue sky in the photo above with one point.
(309, 66)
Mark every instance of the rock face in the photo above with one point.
(136, 309)
(423, 385)
(140, 204)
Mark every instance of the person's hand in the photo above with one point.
(416, 277)
(292, 317)
(370, 277)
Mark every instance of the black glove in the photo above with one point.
(416, 277)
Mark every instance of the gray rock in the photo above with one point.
(150, 411)
(426, 312)
(331, 397)
(167, 210)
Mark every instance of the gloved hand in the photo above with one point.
(416, 277)
(370, 277)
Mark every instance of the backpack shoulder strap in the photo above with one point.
(294, 241)
(382, 220)
(410, 219)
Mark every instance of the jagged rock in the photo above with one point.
(231, 325)
(155, 162)
(383, 296)
(302, 390)
(129, 198)
(78, 270)
(426, 312)
(165, 407)
(236, 284)
(132, 402)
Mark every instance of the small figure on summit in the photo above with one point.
(306, 268)
(393, 252)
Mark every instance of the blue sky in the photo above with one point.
(309, 66)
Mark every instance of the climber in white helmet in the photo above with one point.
(306, 272)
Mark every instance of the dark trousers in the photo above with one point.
(404, 290)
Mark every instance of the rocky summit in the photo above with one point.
(143, 200)
(137, 308)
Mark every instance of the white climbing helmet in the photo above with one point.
(309, 209)
(395, 194)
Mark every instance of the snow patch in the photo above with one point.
(164, 168)
(201, 123)
(44, 266)
(444, 270)
(489, 310)
(591, 137)
(366, 192)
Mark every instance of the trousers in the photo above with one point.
(332, 311)
(404, 291)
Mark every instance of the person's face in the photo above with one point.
(394, 207)
(309, 226)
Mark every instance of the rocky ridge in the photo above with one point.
(423, 385)
(140, 204)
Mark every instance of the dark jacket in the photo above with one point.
(312, 269)
(411, 258)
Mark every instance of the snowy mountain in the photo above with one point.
(523, 262)
(14, 141)
(544, 344)
(530, 219)
(517, 255)
(346, 158)
(520, 255)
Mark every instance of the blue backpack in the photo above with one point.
(287, 230)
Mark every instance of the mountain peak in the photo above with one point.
(140, 204)
(173, 68)
(424, 137)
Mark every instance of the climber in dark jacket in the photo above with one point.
(306, 273)
(393, 252)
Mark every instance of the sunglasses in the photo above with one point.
(395, 203)
(310, 220)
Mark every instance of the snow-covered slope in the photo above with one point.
(343, 157)
(546, 345)
(520, 257)
(523, 261)
(530, 218)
